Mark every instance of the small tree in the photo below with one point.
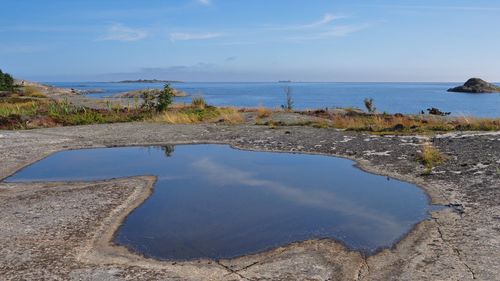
(369, 105)
(6, 82)
(288, 98)
(165, 98)
(1, 80)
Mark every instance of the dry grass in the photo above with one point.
(478, 124)
(193, 115)
(18, 108)
(263, 112)
(199, 102)
(176, 117)
(22, 113)
(231, 117)
(430, 157)
(32, 91)
(406, 123)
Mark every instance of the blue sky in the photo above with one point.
(251, 40)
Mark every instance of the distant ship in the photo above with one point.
(285, 81)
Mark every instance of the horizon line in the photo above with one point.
(242, 82)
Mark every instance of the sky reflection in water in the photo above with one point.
(212, 201)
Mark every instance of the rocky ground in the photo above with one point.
(62, 231)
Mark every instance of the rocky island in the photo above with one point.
(476, 86)
(155, 92)
(149, 81)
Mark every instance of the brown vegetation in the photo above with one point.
(406, 123)
(430, 157)
(190, 114)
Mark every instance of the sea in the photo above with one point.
(409, 98)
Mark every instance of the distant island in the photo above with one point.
(476, 86)
(149, 81)
(285, 81)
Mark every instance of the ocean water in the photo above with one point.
(212, 201)
(388, 97)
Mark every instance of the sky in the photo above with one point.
(251, 40)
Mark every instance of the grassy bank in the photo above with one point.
(396, 123)
(28, 113)
(29, 108)
(412, 123)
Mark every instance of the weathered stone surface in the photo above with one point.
(62, 231)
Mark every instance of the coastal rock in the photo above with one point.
(476, 85)
(139, 93)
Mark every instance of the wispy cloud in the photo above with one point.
(456, 8)
(328, 18)
(236, 43)
(182, 36)
(323, 28)
(336, 31)
(201, 66)
(224, 176)
(232, 58)
(120, 32)
(325, 20)
(47, 28)
(204, 2)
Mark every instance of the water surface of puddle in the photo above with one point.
(212, 201)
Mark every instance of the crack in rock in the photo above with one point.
(455, 250)
(359, 274)
(231, 271)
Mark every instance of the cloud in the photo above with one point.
(120, 32)
(236, 43)
(233, 58)
(201, 66)
(181, 36)
(451, 8)
(336, 31)
(205, 2)
(45, 28)
(327, 19)
(225, 175)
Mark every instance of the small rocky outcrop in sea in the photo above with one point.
(155, 92)
(476, 85)
(436, 111)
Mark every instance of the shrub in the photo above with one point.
(369, 105)
(6, 82)
(165, 98)
(148, 101)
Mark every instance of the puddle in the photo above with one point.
(212, 201)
